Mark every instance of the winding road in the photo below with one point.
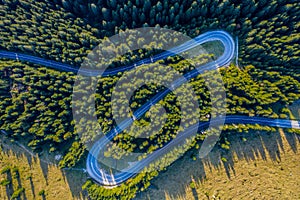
(92, 165)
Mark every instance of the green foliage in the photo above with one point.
(192, 185)
(17, 193)
(43, 28)
(5, 182)
(42, 192)
(35, 102)
(5, 169)
(257, 92)
(15, 172)
(74, 154)
(268, 36)
(39, 109)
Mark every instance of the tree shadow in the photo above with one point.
(75, 180)
(172, 183)
(31, 160)
(32, 187)
(228, 164)
(17, 175)
(244, 146)
(195, 194)
(292, 139)
(44, 166)
(9, 187)
(43, 197)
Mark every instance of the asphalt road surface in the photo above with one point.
(93, 166)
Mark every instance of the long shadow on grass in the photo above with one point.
(17, 175)
(9, 187)
(247, 146)
(44, 167)
(74, 178)
(32, 187)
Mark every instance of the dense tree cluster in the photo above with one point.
(267, 30)
(249, 92)
(36, 106)
(44, 29)
(35, 102)
(245, 95)
(259, 92)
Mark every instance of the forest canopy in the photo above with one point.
(35, 101)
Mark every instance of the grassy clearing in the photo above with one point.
(259, 166)
(36, 177)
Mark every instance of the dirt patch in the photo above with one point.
(259, 165)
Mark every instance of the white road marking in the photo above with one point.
(295, 124)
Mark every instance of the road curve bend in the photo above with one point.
(108, 179)
(92, 165)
